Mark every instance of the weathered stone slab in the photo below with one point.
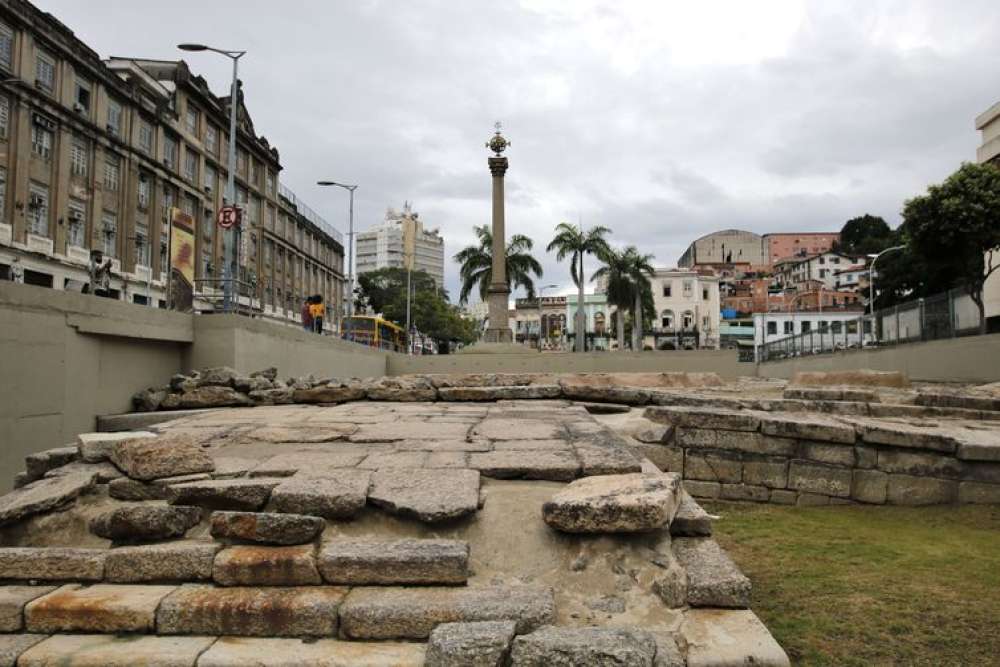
(391, 431)
(817, 478)
(690, 520)
(407, 561)
(218, 376)
(412, 613)
(856, 378)
(115, 651)
(107, 608)
(126, 488)
(52, 564)
(910, 490)
(254, 565)
(310, 463)
(103, 472)
(615, 503)
(213, 397)
(267, 527)
(958, 400)
(807, 427)
(332, 392)
(327, 432)
(826, 452)
(757, 494)
(331, 494)
(224, 494)
(13, 647)
(713, 578)
(278, 396)
(713, 466)
(915, 435)
(12, 601)
(230, 467)
(705, 418)
(429, 495)
(831, 394)
(165, 456)
(538, 391)
(496, 428)
(556, 465)
(702, 489)
(920, 464)
(308, 611)
(181, 479)
(581, 389)
(479, 644)
(979, 493)
(96, 447)
(729, 637)
(181, 560)
(869, 486)
(401, 388)
(553, 645)
(140, 421)
(241, 651)
(741, 441)
(380, 460)
(43, 495)
(783, 497)
(978, 444)
(441, 380)
(139, 523)
(39, 463)
(772, 473)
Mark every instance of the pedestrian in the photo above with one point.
(307, 320)
(317, 310)
(17, 271)
(100, 274)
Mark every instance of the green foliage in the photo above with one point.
(865, 235)
(476, 264)
(575, 242)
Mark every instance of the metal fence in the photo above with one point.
(309, 214)
(946, 315)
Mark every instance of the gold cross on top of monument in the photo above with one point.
(497, 144)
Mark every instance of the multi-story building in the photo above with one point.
(821, 267)
(547, 319)
(797, 244)
(988, 124)
(728, 247)
(94, 154)
(687, 309)
(401, 241)
(597, 319)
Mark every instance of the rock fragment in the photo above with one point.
(615, 503)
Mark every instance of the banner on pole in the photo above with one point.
(182, 256)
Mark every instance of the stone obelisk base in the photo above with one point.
(497, 297)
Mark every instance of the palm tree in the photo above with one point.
(576, 242)
(640, 269)
(619, 287)
(477, 264)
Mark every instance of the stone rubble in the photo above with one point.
(476, 644)
(636, 502)
(389, 562)
(266, 527)
(144, 523)
(166, 456)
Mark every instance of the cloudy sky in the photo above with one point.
(661, 120)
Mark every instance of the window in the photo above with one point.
(822, 260)
(41, 141)
(114, 118)
(667, 289)
(241, 162)
(688, 288)
(142, 243)
(704, 294)
(806, 326)
(835, 326)
(109, 232)
(3, 191)
(6, 47)
(271, 218)
(255, 172)
(772, 328)
(79, 156)
(112, 172)
(789, 327)
(191, 120)
(38, 209)
(145, 137)
(191, 165)
(210, 177)
(170, 151)
(822, 273)
(4, 116)
(667, 319)
(82, 96)
(77, 228)
(45, 72)
(143, 191)
(270, 183)
(687, 319)
(211, 139)
(704, 323)
(188, 205)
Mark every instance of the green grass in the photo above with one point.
(861, 585)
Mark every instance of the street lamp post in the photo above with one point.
(350, 245)
(871, 292)
(540, 332)
(229, 196)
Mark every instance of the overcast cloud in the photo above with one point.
(663, 121)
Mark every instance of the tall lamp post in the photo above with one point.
(871, 291)
(540, 332)
(229, 196)
(350, 245)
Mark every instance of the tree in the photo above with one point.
(955, 228)
(640, 269)
(865, 235)
(575, 242)
(619, 287)
(476, 263)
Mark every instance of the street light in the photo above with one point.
(871, 291)
(540, 332)
(229, 196)
(350, 245)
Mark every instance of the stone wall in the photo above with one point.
(809, 459)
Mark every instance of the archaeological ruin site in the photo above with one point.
(463, 519)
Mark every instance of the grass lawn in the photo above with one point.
(863, 585)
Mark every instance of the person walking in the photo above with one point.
(318, 311)
(307, 320)
(17, 271)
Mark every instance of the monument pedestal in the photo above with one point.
(498, 299)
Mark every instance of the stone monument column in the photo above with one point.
(498, 292)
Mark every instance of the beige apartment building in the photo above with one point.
(94, 154)
(402, 241)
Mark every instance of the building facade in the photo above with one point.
(688, 310)
(597, 319)
(402, 241)
(730, 246)
(988, 124)
(798, 244)
(822, 267)
(95, 154)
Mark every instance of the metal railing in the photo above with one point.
(947, 315)
(310, 215)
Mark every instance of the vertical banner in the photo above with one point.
(181, 261)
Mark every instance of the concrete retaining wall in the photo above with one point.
(969, 359)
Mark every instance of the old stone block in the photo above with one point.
(913, 435)
(43, 495)
(266, 528)
(12, 601)
(331, 494)
(690, 520)
(552, 645)
(308, 611)
(428, 495)
(869, 486)
(667, 458)
(13, 647)
(824, 452)
(253, 565)
(605, 459)
(106, 608)
(805, 499)
(165, 456)
(284, 652)
(772, 473)
(406, 388)
(920, 464)
(39, 463)
(705, 418)
(412, 613)
(96, 447)
(125, 488)
(729, 637)
(140, 523)
(52, 564)
(807, 427)
(182, 560)
(783, 497)
(712, 467)
(392, 431)
(480, 644)
(979, 492)
(865, 456)
(115, 651)
(407, 561)
(380, 460)
(224, 494)
(910, 490)
(816, 478)
(978, 445)
(519, 429)
(713, 578)
(615, 503)
(700, 489)
(314, 464)
(333, 392)
(758, 494)
(555, 465)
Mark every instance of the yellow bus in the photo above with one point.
(375, 332)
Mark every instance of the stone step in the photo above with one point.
(103, 608)
(267, 527)
(713, 579)
(255, 565)
(384, 562)
(584, 646)
(100, 650)
(691, 520)
(52, 564)
(412, 613)
(225, 494)
(636, 502)
(278, 652)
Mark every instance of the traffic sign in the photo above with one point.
(229, 216)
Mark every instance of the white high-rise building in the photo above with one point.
(400, 242)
